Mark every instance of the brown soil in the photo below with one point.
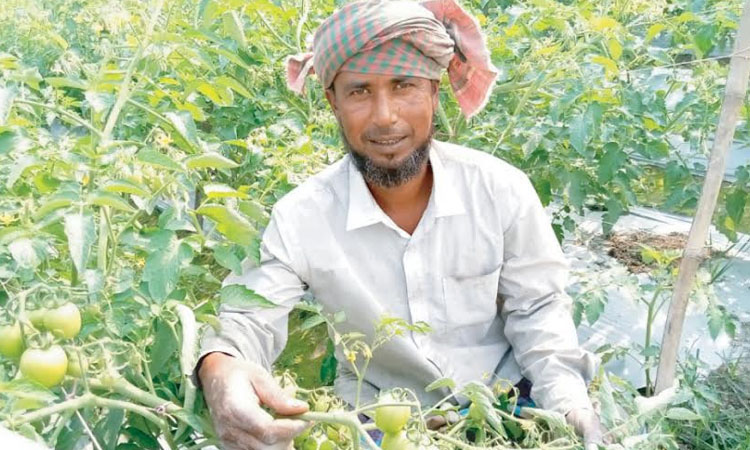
(627, 247)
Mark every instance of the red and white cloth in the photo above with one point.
(399, 37)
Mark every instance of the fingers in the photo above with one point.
(270, 394)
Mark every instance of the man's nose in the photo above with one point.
(385, 111)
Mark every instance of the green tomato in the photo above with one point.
(11, 341)
(391, 419)
(328, 445)
(36, 318)
(64, 322)
(475, 413)
(47, 367)
(397, 441)
(76, 369)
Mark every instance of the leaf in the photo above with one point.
(594, 308)
(23, 252)
(329, 365)
(735, 204)
(216, 190)
(234, 85)
(614, 211)
(577, 134)
(59, 82)
(55, 201)
(157, 159)
(219, 95)
(163, 349)
(312, 322)
(654, 30)
(81, 232)
(611, 161)
(610, 67)
(230, 223)
(615, 48)
(226, 258)
(107, 431)
(715, 322)
(233, 27)
(185, 127)
(239, 296)
(162, 268)
(7, 95)
(441, 383)
(103, 198)
(210, 160)
(125, 186)
(682, 414)
(604, 23)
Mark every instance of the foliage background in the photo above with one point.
(142, 144)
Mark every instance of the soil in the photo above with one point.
(627, 247)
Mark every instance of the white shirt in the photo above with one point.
(483, 268)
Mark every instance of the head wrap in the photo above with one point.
(401, 37)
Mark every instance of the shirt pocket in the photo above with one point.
(470, 302)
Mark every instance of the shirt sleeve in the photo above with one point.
(536, 309)
(259, 334)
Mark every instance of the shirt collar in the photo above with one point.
(364, 210)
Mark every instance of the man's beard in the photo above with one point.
(389, 177)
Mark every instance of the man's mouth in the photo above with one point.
(387, 141)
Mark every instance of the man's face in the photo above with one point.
(386, 122)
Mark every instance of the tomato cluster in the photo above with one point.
(47, 364)
(392, 419)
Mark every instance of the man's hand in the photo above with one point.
(587, 425)
(234, 391)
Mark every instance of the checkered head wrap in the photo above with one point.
(401, 37)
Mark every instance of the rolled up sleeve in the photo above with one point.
(536, 309)
(259, 334)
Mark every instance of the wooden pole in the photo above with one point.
(739, 71)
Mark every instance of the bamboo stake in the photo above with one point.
(739, 72)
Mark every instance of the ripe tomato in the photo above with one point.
(391, 419)
(11, 341)
(64, 322)
(47, 367)
(397, 441)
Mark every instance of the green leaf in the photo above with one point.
(654, 30)
(59, 82)
(682, 414)
(611, 161)
(183, 124)
(81, 232)
(329, 365)
(217, 190)
(219, 95)
(125, 186)
(23, 252)
(7, 95)
(735, 202)
(163, 349)
(239, 296)
(715, 322)
(233, 84)
(155, 158)
(54, 202)
(162, 268)
(610, 67)
(226, 258)
(233, 27)
(254, 211)
(210, 160)
(578, 134)
(312, 322)
(594, 308)
(102, 198)
(614, 211)
(441, 383)
(230, 223)
(107, 431)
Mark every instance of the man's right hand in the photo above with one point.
(234, 391)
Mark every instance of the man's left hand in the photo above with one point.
(587, 425)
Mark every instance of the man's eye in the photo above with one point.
(358, 91)
(404, 84)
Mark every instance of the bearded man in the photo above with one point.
(407, 226)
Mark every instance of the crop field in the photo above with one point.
(143, 144)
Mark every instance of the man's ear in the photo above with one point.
(435, 86)
(331, 97)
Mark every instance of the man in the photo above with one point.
(407, 226)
